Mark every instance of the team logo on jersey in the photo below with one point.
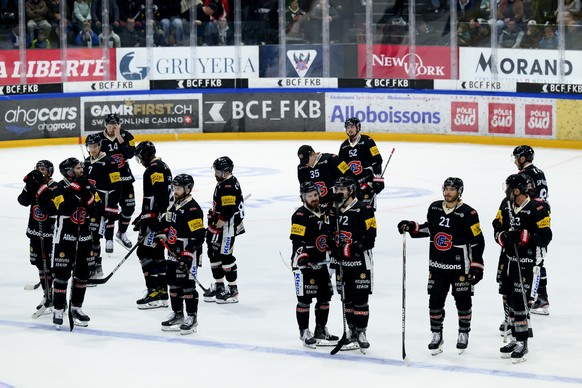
(312, 281)
(462, 279)
(37, 214)
(79, 216)
(321, 243)
(322, 188)
(172, 235)
(443, 241)
(119, 160)
(362, 276)
(62, 254)
(356, 167)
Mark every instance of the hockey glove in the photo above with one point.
(407, 226)
(33, 180)
(301, 260)
(378, 184)
(185, 259)
(475, 273)
(519, 236)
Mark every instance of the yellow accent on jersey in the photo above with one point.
(298, 230)
(58, 200)
(115, 177)
(544, 223)
(374, 151)
(371, 223)
(97, 197)
(196, 224)
(343, 167)
(228, 200)
(476, 229)
(499, 217)
(132, 143)
(157, 177)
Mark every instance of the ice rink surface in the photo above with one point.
(255, 343)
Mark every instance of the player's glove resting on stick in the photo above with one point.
(407, 226)
(507, 238)
(475, 273)
(185, 259)
(378, 184)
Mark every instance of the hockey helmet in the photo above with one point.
(93, 138)
(184, 180)
(112, 118)
(517, 181)
(353, 121)
(307, 187)
(345, 181)
(224, 163)
(68, 165)
(145, 152)
(524, 150)
(46, 164)
(457, 183)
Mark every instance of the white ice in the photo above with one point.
(255, 343)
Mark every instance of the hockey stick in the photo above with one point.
(511, 218)
(195, 277)
(72, 286)
(29, 287)
(387, 162)
(285, 262)
(344, 338)
(106, 278)
(44, 258)
(404, 357)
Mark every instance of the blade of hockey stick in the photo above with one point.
(30, 287)
(106, 278)
(340, 344)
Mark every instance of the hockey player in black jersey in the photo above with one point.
(353, 229)
(455, 259)
(119, 145)
(39, 183)
(322, 169)
(157, 181)
(72, 199)
(225, 222)
(363, 157)
(524, 156)
(102, 172)
(309, 227)
(183, 236)
(522, 229)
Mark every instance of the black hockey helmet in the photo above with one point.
(93, 138)
(353, 121)
(46, 164)
(68, 165)
(112, 118)
(145, 152)
(345, 181)
(184, 180)
(307, 187)
(457, 183)
(524, 150)
(517, 181)
(224, 163)
(303, 153)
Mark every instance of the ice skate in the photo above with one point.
(541, 306)
(307, 338)
(362, 340)
(519, 352)
(436, 343)
(173, 322)
(508, 349)
(462, 341)
(151, 300)
(109, 246)
(323, 337)
(79, 317)
(123, 240)
(505, 329)
(44, 307)
(164, 298)
(210, 294)
(352, 340)
(230, 296)
(189, 324)
(58, 318)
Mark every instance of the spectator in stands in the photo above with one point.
(316, 27)
(130, 35)
(483, 37)
(511, 35)
(97, 14)
(111, 40)
(532, 35)
(55, 19)
(222, 9)
(81, 12)
(573, 34)
(41, 41)
(549, 40)
(87, 38)
(572, 6)
(424, 35)
(515, 10)
(168, 15)
(222, 35)
(203, 22)
(295, 18)
(135, 10)
(463, 34)
(37, 14)
(15, 38)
